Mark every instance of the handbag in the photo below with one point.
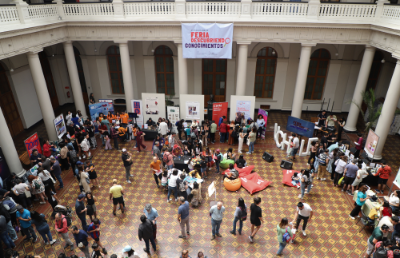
(28, 194)
(248, 142)
(286, 237)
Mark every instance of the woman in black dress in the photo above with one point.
(91, 206)
(342, 123)
(91, 169)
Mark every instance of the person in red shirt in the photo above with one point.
(62, 228)
(358, 145)
(47, 149)
(223, 129)
(139, 139)
(383, 173)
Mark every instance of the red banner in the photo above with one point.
(220, 109)
(32, 143)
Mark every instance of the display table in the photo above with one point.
(150, 134)
(180, 163)
(366, 208)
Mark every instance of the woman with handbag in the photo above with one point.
(37, 187)
(46, 178)
(240, 215)
(284, 235)
(91, 206)
(85, 181)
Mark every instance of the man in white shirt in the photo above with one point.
(163, 127)
(305, 213)
(295, 146)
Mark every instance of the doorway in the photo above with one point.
(214, 79)
(48, 76)
(7, 104)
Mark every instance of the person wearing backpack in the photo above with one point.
(284, 235)
(37, 187)
(168, 158)
(383, 249)
(182, 186)
(240, 215)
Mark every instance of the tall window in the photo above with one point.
(317, 72)
(164, 70)
(214, 79)
(48, 76)
(265, 73)
(81, 75)
(115, 70)
(375, 70)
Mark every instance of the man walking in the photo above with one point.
(145, 232)
(25, 222)
(255, 217)
(3, 233)
(56, 169)
(156, 150)
(116, 193)
(213, 129)
(94, 231)
(127, 159)
(81, 210)
(81, 240)
(152, 214)
(305, 213)
(183, 217)
(168, 158)
(4, 212)
(295, 144)
(217, 213)
(114, 135)
(156, 168)
(350, 173)
(61, 225)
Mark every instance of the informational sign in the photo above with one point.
(59, 124)
(106, 100)
(243, 109)
(173, 114)
(207, 40)
(396, 181)
(192, 110)
(137, 107)
(211, 189)
(151, 105)
(220, 109)
(264, 114)
(4, 170)
(371, 143)
(32, 143)
(300, 127)
(102, 107)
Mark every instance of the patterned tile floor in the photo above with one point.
(330, 234)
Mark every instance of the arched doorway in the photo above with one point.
(7, 104)
(48, 76)
(214, 79)
(81, 75)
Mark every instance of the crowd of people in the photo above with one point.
(328, 155)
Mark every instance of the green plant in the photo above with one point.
(373, 111)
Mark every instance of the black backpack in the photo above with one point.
(73, 158)
(242, 214)
(69, 221)
(381, 252)
(234, 134)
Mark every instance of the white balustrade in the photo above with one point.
(391, 12)
(42, 11)
(150, 8)
(347, 10)
(8, 14)
(279, 9)
(213, 8)
(100, 9)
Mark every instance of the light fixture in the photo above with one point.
(336, 54)
(152, 48)
(383, 61)
(94, 45)
(60, 18)
(9, 65)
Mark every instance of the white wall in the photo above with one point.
(25, 96)
(161, 105)
(192, 98)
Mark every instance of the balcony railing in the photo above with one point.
(200, 11)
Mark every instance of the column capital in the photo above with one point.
(67, 42)
(397, 56)
(308, 44)
(243, 42)
(178, 42)
(369, 47)
(121, 41)
(35, 51)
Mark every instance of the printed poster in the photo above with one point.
(219, 110)
(59, 124)
(32, 143)
(151, 105)
(102, 107)
(173, 114)
(371, 143)
(207, 40)
(243, 109)
(192, 110)
(137, 107)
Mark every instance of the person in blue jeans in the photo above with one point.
(305, 182)
(281, 229)
(218, 160)
(241, 207)
(56, 169)
(217, 214)
(3, 233)
(42, 227)
(172, 185)
(25, 221)
(81, 210)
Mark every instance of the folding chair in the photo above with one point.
(365, 221)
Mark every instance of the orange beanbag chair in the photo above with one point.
(232, 185)
(287, 177)
(242, 171)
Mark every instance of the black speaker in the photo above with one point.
(286, 164)
(267, 157)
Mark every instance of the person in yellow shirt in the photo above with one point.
(124, 118)
(110, 117)
(117, 195)
(122, 132)
(155, 166)
(195, 173)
